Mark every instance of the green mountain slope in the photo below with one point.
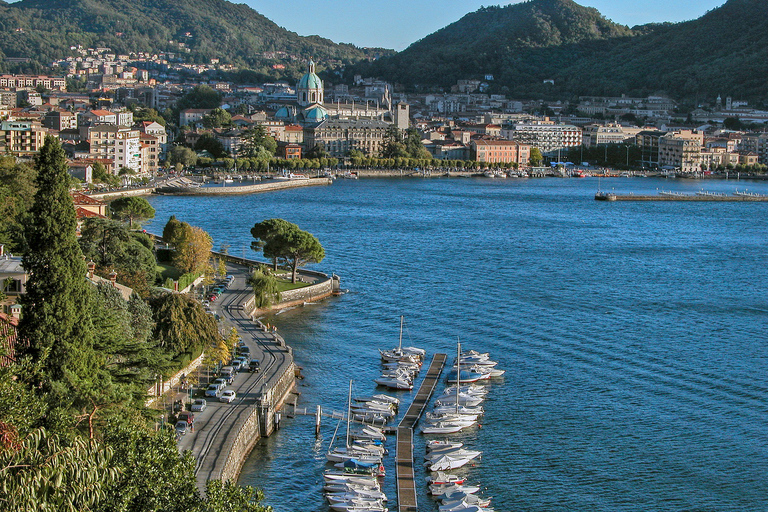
(524, 44)
(45, 29)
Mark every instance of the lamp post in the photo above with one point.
(627, 146)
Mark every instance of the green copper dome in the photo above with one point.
(310, 80)
(316, 113)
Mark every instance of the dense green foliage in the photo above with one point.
(281, 240)
(234, 33)
(265, 289)
(111, 246)
(191, 246)
(523, 44)
(74, 431)
(181, 324)
(17, 190)
(132, 208)
(59, 334)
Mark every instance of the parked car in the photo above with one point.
(199, 405)
(228, 372)
(243, 351)
(235, 364)
(242, 362)
(213, 390)
(254, 365)
(223, 381)
(188, 417)
(228, 396)
(181, 428)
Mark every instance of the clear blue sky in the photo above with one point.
(398, 23)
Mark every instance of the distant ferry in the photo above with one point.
(291, 176)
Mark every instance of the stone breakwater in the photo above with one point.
(245, 189)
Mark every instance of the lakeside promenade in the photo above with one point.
(225, 433)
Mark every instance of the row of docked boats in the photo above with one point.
(458, 408)
(353, 484)
(400, 365)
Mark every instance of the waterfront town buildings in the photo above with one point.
(341, 117)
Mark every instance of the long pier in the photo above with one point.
(747, 198)
(406, 485)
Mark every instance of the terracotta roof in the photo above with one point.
(81, 199)
(102, 113)
(82, 213)
(8, 335)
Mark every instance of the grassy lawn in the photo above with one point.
(168, 270)
(284, 286)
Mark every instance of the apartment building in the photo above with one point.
(21, 138)
(500, 151)
(681, 150)
(120, 144)
(545, 135)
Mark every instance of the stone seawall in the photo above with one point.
(245, 189)
(262, 421)
(109, 196)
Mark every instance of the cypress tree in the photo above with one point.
(56, 320)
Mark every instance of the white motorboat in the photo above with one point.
(457, 497)
(351, 496)
(444, 428)
(394, 383)
(359, 505)
(464, 506)
(432, 417)
(440, 490)
(469, 389)
(459, 453)
(442, 477)
(446, 463)
(437, 444)
(465, 400)
(461, 409)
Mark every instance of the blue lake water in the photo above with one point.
(633, 334)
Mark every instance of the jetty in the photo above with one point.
(186, 189)
(406, 485)
(679, 196)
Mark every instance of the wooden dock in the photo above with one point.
(406, 485)
(607, 196)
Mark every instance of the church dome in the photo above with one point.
(284, 113)
(310, 81)
(316, 113)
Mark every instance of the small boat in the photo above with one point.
(457, 497)
(436, 444)
(458, 453)
(461, 409)
(445, 428)
(441, 490)
(441, 478)
(394, 383)
(349, 175)
(446, 463)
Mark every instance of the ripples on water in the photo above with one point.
(633, 333)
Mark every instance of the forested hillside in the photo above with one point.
(522, 45)
(44, 30)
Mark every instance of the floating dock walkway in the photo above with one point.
(675, 196)
(406, 486)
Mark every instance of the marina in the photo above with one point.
(406, 485)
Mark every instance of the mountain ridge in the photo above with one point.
(532, 42)
(234, 33)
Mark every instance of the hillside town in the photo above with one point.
(463, 124)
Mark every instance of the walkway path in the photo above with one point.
(406, 486)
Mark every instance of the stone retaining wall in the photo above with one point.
(261, 422)
(245, 189)
(172, 381)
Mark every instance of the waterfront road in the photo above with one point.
(216, 428)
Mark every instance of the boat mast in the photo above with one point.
(458, 372)
(400, 344)
(349, 409)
